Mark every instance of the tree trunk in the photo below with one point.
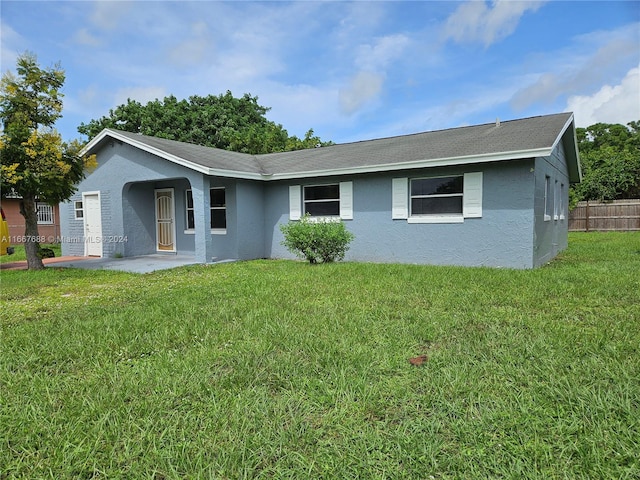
(32, 237)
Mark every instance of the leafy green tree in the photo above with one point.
(610, 158)
(221, 121)
(34, 162)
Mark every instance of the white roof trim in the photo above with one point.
(167, 156)
(568, 123)
(437, 162)
(564, 129)
(427, 163)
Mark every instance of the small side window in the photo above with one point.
(548, 199)
(190, 218)
(78, 209)
(218, 208)
(45, 214)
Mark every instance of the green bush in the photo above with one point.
(317, 240)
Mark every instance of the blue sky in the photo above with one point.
(349, 70)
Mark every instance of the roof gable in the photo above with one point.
(509, 140)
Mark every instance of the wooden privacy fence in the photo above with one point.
(616, 215)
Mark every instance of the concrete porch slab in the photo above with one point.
(140, 264)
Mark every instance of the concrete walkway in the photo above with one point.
(141, 264)
(22, 264)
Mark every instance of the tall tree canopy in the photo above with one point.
(221, 121)
(34, 162)
(610, 158)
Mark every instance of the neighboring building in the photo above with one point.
(48, 220)
(487, 195)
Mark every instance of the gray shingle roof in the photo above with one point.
(205, 156)
(510, 139)
(511, 136)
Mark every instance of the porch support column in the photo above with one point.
(202, 217)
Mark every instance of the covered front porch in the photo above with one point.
(169, 217)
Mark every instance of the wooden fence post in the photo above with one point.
(586, 216)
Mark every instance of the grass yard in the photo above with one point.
(20, 254)
(279, 369)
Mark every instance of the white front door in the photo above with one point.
(165, 221)
(92, 224)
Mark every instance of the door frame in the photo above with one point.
(172, 219)
(85, 216)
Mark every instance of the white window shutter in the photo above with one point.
(295, 202)
(400, 198)
(472, 195)
(346, 200)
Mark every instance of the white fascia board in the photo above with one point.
(389, 167)
(167, 156)
(94, 141)
(561, 134)
(575, 153)
(232, 174)
(438, 162)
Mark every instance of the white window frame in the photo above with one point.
(435, 217)
(547, 198)
(187, 209)
(218, 230)
(45, 214)
(556, 200)
(471, 200)
(345, 199)
(561, 202)
(191, 230)
(321, 200)
(78, 210)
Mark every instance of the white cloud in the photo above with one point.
(588, 62)
(363, 87)
(194, 49)
(140, 94)
(384, 51)
(84, 37)
(107, 15)
(8, 36)
(301, 107)
(82, 100)
(480, 105)
(476, 21)
(611, 104)
(372, 60)
(357, 20)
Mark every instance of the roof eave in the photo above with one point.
(567, 135)
(431, 163)
(114, 134)
(93, 143)
(570, 143)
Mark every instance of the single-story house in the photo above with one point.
(485, 195)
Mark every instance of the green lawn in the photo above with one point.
(280, 369)
(20, 254)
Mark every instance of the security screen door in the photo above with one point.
(165, 220)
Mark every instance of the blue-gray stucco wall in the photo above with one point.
(250, 209)
(550, 235)
(511, 233)
(503, 237)
(127, 178)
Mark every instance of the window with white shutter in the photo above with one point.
(322, 201)
(295, 210)
(446, 199)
